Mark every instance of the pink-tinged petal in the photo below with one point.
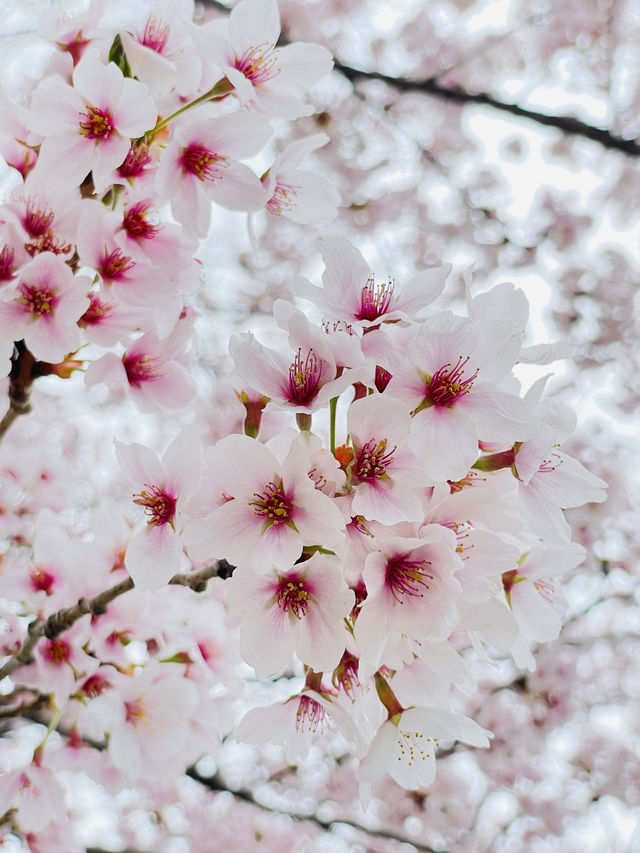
(346, 273)
(135, 111)
(182, 462)
(241, 465)
(265, 642)
(378, 417)
(378, 500)
(106, 157)
(304, 197)
(319, 520)
(302, 64)
(499, 417)
(319, 638)
(446, 725)
(153, 69)
(238, 188)
(446, 442)
(565, 482)
(279, 546)
(55, 105)
(140, 464)
(252, 23)
(294, 154)
(238, 135)
(379, 757)
(101, 85)
(50, 341)
(125, 750)
(191, 206)
(243, 87)
(110, 370)
(65, 160)
(372, 631)
(173, 388)
(153, 556)
(423, 289)
(260, 367)
(538, 618)
(232, 531)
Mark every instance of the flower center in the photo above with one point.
(258, 64)
(271, 504)
(141, 367)
(136, 222)
(304, 377)
(202, 162)
(292, 596)
(158, 505)
(283, 198)
(39, 301)
(407, 577)
(155, 34)
(41, 580)
(134, 163)
(372, 460)
(310, 715)
(96, 123)
(134, 711)
(7, 263)
(375, 299)
(56, 650)
(96, 313)
(37, 220)
(447, 385)
(115, 264)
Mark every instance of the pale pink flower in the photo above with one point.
(200, 166)
(405, 745)
(88, 127)
(43, 307)
(300, 610)
(265, 78)
(271, 509)
(350, 292)
(385, 475)
(154, 553)
(299, 195)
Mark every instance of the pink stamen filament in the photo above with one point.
(447, 385)
(283, 198)
(155, 34)
(115, 264)
(142, 367)
(158, 505)
(7, 263)
(37, 220)
(136, 222)
(407, 577)
(304, 377)
(258, 63)
(272, 504)
(310, 715)
(39, 301)
(205, 164)
(372, 460)
(375, 299)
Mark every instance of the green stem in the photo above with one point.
(333, 406)
(220, 90)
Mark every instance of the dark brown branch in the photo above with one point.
(214, 783)
(432, 86)
(63, 619)
(21, 378)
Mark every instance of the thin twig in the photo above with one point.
(63, 619)
(21, 378)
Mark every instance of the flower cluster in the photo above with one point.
(406, 520)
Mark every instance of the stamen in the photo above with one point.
(283, 198)
(155, 34)
(39, 301)
(375, 299)
(115, 264)
(310, 715)
(142, 367)
(447, 385)
(7, 263)
(205, 164)
(272, 504)
(407, 577)
(304, 377)
(258, 64)
(37, 219)
(292, 596)
(136, 221)
(158, 505)
(372, 460)
(96, 123)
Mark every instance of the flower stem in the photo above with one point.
(220, 90)
(333, 406)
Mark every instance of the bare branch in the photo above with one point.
(20, 381)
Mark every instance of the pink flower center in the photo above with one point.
(272, 504)
(47, 242)
(37, 220)
(258, 64)
(95, 685)
(96, 123)
(292, 596)
(134, 711)
(134, 163)
(155, 34)
(372, 460)
(304, 377)
(375, 299)
(158, 505)
(141, 367)
(39, 301)
(7, 263)
(447, 385)
(310, 715)
(41, 580)
(202, 162)
(96, 313)
(407, 577)
(283, 198)
(136, 221)
(115, 264)
(56, 650)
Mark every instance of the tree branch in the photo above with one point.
(214, 783)
(21, 379)
(63, 619)
(432, 86)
